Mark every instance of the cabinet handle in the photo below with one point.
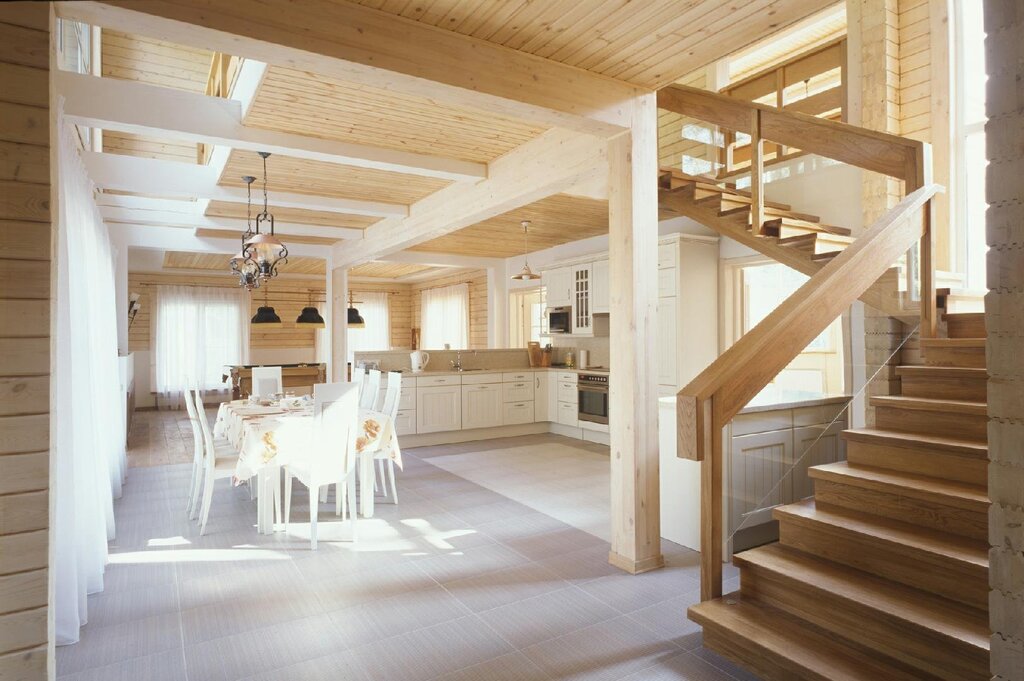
(518, 405)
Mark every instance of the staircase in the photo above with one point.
(883, 574)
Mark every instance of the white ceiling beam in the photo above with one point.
(170, 218)
(362, 45)
(546, 165)
(165, 113)
(175, 239)
(188, 180)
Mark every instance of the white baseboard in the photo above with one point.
(452, 436)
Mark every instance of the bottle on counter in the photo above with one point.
(570, 361)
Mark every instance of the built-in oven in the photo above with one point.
(593, 398)
(560, 320)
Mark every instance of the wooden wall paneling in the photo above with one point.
(477, 280)
(25, 253)
(399, 308)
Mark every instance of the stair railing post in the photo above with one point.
(922, 175)
(756, 174)
(711, 524)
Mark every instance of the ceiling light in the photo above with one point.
(263, 248)
(266, 316)
(355, 320)
(243, 267)
(310, 316)
(526, 274)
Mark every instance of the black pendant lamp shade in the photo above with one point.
(266, 316)
(310, 318)
(355, 320)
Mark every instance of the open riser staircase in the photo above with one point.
(883, 574)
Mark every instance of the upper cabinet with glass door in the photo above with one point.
(582, 314)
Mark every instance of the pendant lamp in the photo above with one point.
(526, 274)
(264, 248)
(266, 316)
(244, 268)
(355, 320)
(310, 317)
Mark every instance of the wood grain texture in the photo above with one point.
(477, 280)
(215, 261)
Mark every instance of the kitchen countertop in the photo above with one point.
(505, 370)
(775, 400)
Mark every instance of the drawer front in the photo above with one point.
(430, 381)
(517, 377)
(566, 377)
(407, 400)
(667, 282)
(518, 412)
(518, 392)
(476, 379)
(567, 392)
(405, 421)
(668, 255)
(568, 414)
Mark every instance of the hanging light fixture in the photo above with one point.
(355, 320)
(526, 274)
(266, 316)
(310, 317)
(263, 248)
(243, 267)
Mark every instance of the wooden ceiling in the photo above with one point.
(306, 103)
(649, 43)
(180, 260)
(308, 217)
(287, 174)
(555, 220)
(388, 270)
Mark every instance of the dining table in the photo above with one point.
(269, 436)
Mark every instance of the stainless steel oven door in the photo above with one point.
(593, 404)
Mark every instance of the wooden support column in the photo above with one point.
(633, 250)
(756, 175)
(338, 297)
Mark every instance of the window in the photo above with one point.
(376, 335)
(198, 331)
(970, 141)
(527, 321)
(444, 317)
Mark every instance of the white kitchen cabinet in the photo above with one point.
(665, 342)
(568, 414)
(521, 391)
(544, 398)
(558, 286)
(600, 292)
(515, 413)
(517, 376)
(566, 391)
(482, 406)
(407, 400)
(405, 421)
(582, 314)
(438, 408)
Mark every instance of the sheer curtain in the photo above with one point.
(376, 335)
(198, 331)
(88, 418)
(444, 317)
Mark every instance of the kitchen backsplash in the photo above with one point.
(596, 346)
(511, 358)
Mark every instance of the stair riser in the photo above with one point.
(930, 514)
(765, 666)
(973, 358)
(922, 648)
(941, 423)
(965, 327)
(944, 387)
(955, 580)
(919, 461)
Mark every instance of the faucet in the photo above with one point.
(457, 362)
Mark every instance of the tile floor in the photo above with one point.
(457, 582)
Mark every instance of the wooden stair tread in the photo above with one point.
(794, 222)
(894, 438)
(724, 194)
(951, 372)
(965, 316)
(953, 342)
(774, 214)
(928, 404)
(954, 620)
(947, 492)
(893, 532)
(782, 642)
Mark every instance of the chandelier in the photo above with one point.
(244, 268)
(526, 274)
(262, 248)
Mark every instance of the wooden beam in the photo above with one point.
(169, 114)
(155, 177)
(167, 218)
(442, 259)
(174, 239)
(549, 164)
(362, 45)
(632, 250)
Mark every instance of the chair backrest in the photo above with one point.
(193, 419)
(335, 414)
(266, 381)
(368, 398)
(204, 425)
(393, 394)
(358, 378)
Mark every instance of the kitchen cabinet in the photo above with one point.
(482, 406)
(665, 349)
(558, 286)
(568, 414)
(515, 413)
(582, 314)
(600, 291)
(438, 408)
(567, 391)
(518, 392)
(405, 421)
(544, 398)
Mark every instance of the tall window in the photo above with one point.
(198, 331)
(376, 335)
(444, 317)
(526, 317)
(970, 139)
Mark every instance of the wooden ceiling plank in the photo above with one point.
(355, 43)
(151, 237)
(162, 112)
(163, 218)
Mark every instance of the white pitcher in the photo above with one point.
(419, 360)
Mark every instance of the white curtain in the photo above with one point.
(376, 335)
(88, 407)
(199, 330)
(444, 317)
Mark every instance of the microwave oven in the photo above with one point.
(560, 320)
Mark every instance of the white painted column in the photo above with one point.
(328, 315)
(633, 250)
(497, 307)
(121, 295)
(338, 298)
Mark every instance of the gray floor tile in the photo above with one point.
(584, 565)
(101, 646)
(342, 666)
(511, 667)
(669, 619)
(551, 615)
(628, 593)
(116, 606)
(473, 562)
(166, 666)
(685, 667)
(409, 611)
(502, 587)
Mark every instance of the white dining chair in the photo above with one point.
(331, 457)
(267, 381)
(196, 483)
(392, 397)
(358, 378)
(371, 390)
(219, 460)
